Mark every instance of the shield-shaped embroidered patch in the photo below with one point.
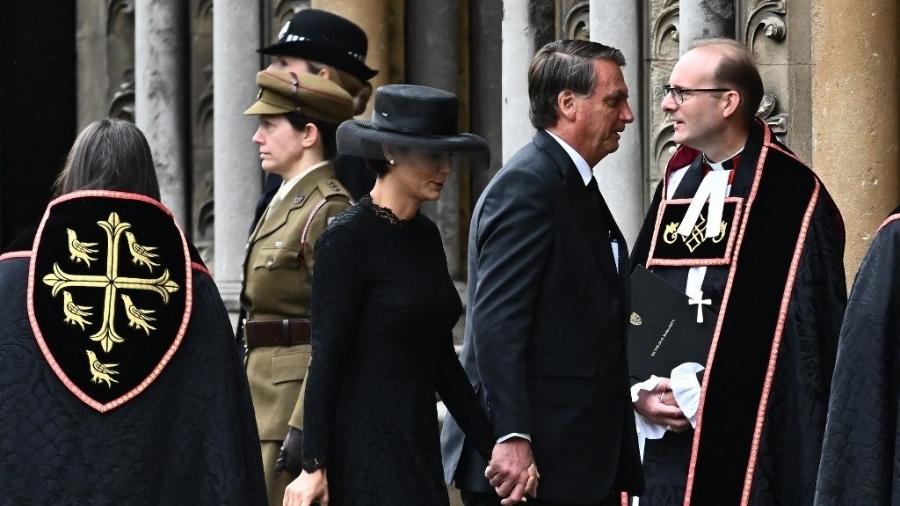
(669, 248)
(109, 293)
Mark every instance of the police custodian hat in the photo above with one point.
(323, 37)
(309, 95)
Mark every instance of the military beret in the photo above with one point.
(312, 96)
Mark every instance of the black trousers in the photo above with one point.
(480, 499)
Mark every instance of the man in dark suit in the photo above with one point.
(548, 299)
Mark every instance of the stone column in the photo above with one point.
(518, 48)
(856, 114)
(486, 113)
(160, 47)
(617, 23)
(236, 184)
(432, 28)
(702, 19)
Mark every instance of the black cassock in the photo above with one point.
(860, 460)
(779, 292)
(175, 429)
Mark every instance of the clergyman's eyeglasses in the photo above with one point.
(678, 93)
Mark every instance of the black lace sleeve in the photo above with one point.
(337, 291)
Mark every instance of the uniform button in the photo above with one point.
(270, 263)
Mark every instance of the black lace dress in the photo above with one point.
(383, 308)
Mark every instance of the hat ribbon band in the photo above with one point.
(416, 125)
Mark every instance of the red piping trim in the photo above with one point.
(710, 359)
(39, 337)
(787, 153)
(893, 217)
(109, 194)
(309, 221)
(15, 254)
(201, 268)
(776, 345)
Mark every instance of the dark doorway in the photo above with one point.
(37, 107)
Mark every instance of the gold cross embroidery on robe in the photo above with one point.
(112, 283)
(698, 234)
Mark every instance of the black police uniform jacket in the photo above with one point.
(779, 295)
(148, 416)
(860, 460)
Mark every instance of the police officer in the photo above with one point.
(319, 42)
(298, 114)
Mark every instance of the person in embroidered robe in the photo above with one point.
(859, 465)
(741, 225)
(94, 410)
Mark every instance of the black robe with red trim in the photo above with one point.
(779, 300)
(189, 437)
(861, 454)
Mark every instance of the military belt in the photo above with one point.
(288, 332)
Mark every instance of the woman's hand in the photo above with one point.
(307, 489)
(533, 477)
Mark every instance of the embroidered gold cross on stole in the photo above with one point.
(112, 283)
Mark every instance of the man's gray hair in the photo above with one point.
(564, 65)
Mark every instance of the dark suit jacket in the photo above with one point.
(545, 330)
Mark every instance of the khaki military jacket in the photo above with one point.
(277, 275)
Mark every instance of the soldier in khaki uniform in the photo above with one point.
(298, 115)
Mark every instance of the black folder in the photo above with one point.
(663, 331)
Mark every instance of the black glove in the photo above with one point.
(291, 452)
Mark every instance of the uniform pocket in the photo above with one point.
(290, 366)
(277, 258)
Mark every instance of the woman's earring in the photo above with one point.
(392, 162)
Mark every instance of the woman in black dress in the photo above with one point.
(383, 306)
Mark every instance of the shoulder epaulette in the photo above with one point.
(331, 187)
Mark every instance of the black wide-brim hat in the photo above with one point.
(409, 116)
(327, 38)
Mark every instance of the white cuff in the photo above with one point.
(686, 389)
(514, 434)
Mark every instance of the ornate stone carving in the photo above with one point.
(122, 104)
(201, 199)
(283, 11)
(120, 59)
(766, 19)
(120, 16)
(769, 112)
(664, 31)
(576, 21)
(663, 149)
(663, 39)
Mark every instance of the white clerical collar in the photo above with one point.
(287, 186)
(580, 163)
(720, 165)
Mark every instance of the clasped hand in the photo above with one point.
(307, 489)
(660, 407)
(512, 471)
